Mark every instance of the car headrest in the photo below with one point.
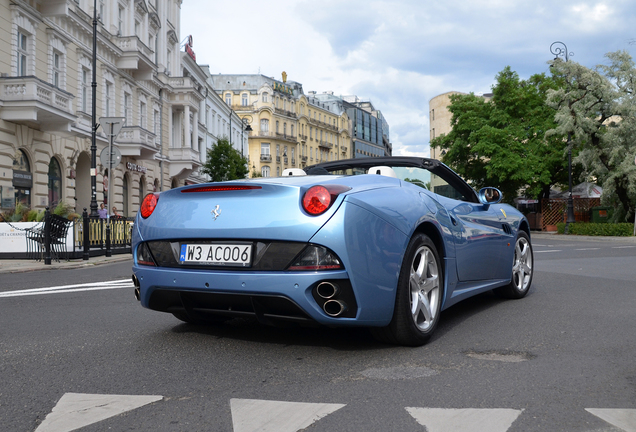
(293, 172)
(382, 170)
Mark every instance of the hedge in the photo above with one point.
(598, 229)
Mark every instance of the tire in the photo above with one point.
(419, 296)
(522, 269)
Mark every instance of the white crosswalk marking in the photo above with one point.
(76, 410)
(93, 286)
(465, 420)
(251, 415)
(621, 418)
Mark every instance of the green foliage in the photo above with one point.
(598, 109)
(501, 142)
(256, 174)
(598, 229)
(224, 162)
(419, 183)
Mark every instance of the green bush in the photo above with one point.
(598, 229)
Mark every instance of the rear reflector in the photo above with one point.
(219, 188)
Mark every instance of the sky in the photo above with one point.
(399, 54)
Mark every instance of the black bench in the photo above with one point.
(35, 239)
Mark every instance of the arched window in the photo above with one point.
(55, 183)
(264, 125)
(265, 171)
(22, 181)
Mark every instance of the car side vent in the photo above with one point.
(507, 229)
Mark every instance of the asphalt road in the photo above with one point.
(558, 360)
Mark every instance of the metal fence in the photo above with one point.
(554, 210)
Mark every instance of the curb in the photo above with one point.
(22, 266)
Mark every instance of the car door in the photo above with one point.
(480, 239)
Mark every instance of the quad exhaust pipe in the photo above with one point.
(328, 291)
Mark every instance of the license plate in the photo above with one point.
(223, 254)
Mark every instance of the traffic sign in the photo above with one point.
(115, 157)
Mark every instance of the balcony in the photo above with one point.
(30, 101)
(266, 158)
(183, 161)
(293, 162)
(262, 134)
(325, 144)
(285, 137)
(137, 142)
(136, 56)
(285, 113)
(285, 160)
(184, 93)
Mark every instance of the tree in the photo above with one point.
(501, 142)
(597, 107)
(224, 162)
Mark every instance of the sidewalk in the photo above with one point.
(535, 235)
(25, 265)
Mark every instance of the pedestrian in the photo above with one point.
(115, 214)
(103, 213)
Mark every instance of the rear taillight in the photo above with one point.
(318, 199)
(144, 257)
(148, 204)
(315, 257)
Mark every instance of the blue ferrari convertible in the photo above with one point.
(386, 243)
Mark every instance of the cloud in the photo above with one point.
(401, 53)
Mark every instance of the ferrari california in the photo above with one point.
(386, 243)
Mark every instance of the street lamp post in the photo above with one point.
(562, 51)
(112, 126)
(245, 127)
(94, 124)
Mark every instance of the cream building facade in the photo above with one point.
(172, 114)
(288, 128)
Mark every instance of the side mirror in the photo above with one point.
(489, 195)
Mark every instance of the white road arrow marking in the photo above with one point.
(93, 286)
(76, 410)
(251, 415)
(465, 420)
(621, 418)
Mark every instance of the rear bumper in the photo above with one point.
(266, 295)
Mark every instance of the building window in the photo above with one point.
(277, 171)
(277, 150)
(120, 22)
(101, 10)
(432, 114)
(57, 68)
(228, 99)
(291, 127)
(55, 183)
(137, 28)
(244, 99)
(285, 129)
(277, 124)
(155, 122)
(22, 184)
(142, 191)
(109, 99)
(264, 97)
(127, 108)
(264, 125)
(142, 114)
(265, 171)
(265, 149)
(85, 88)
(23, 41)
(292, 153)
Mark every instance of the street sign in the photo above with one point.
(112, 125)
(115, 157)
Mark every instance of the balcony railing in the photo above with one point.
(285, 137)
(29, 99)
(138, 142)
(266, 158)
(285, 112)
